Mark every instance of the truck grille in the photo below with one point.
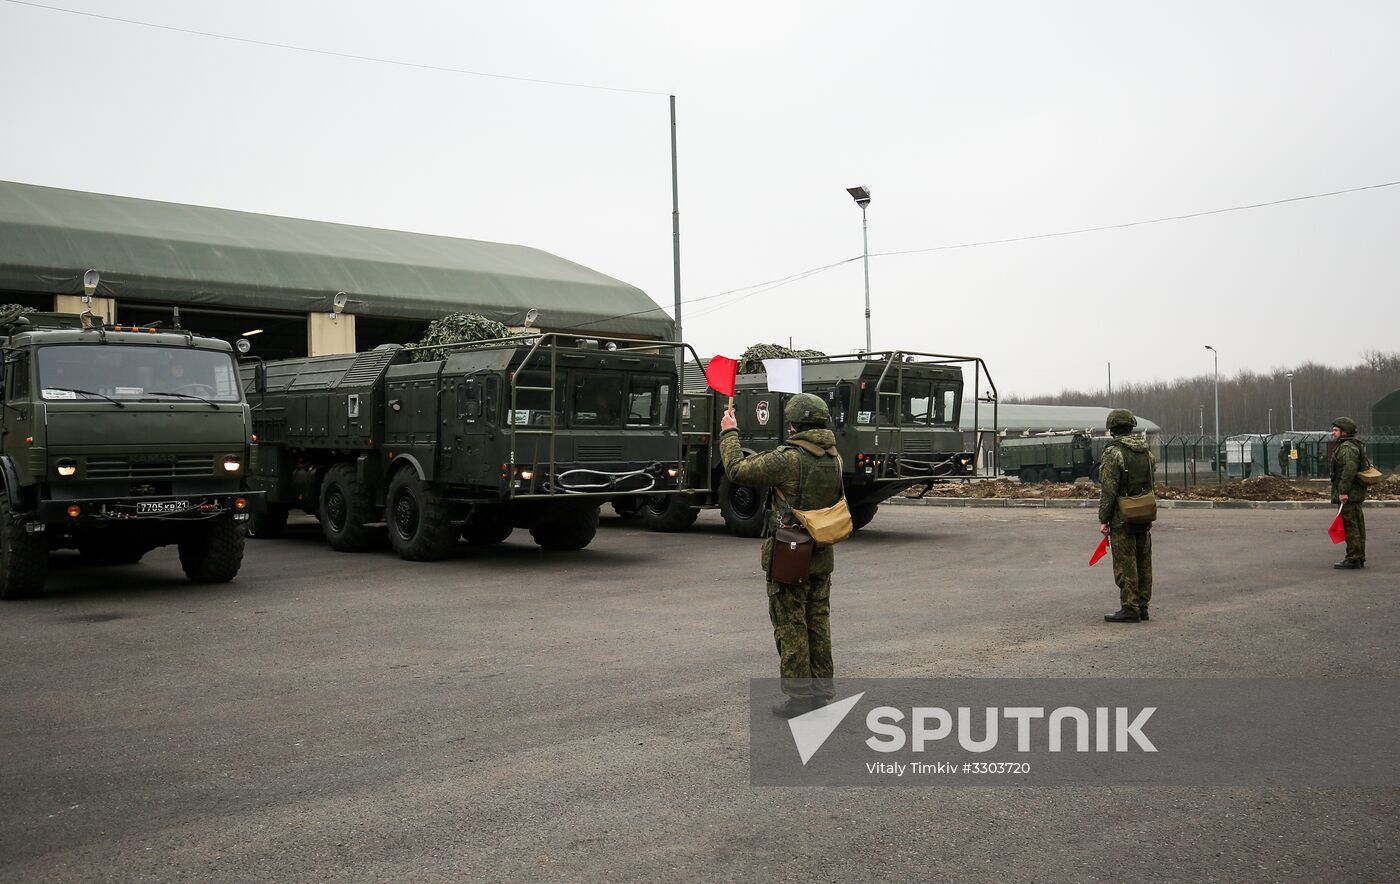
(599, 452)
(918, 446)
(124, 468)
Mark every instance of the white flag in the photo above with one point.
(784, 375)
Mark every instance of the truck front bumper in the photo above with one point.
(177, 507)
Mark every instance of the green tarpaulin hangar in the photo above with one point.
(234, 272)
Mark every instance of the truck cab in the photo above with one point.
(895, 416)
(116, 440)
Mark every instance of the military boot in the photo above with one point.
(795, 706)
(1123, 615)
(1142, 613)
(1349, 565)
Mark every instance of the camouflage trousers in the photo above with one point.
(1355, 523)
(1132, 566)
(801, 615)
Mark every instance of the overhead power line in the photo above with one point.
(760, 287)
(331, 52)
(996, 242)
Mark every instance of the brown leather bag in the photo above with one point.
(792, 556)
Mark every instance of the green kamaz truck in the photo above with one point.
(116, 440)
(1053, 457)
(895, 415)
(527, 432)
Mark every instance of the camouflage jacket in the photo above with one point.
(1127, 470)
(806, 480)
(1347, 459)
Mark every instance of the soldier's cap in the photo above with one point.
(1346, 425)
(1120, 418)
(806, 410)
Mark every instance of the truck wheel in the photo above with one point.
(566, 529)
(861, 515)
(24, 557)
(627, 508)
(1028, 475)
(213, 550)
(269, 525)
(420, 529)
(1048, 475)
(744, 508)
(669, 512)
(345, 508)
(487, 533)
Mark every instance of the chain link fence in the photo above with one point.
(1184, 461)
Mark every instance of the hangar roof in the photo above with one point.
(192, 255)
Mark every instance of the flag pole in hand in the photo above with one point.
(1099, 552)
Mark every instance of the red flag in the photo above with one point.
(1099, 553)
(1338, 531)
(720, 374)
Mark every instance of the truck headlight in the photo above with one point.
(232, 465)
(67, 469)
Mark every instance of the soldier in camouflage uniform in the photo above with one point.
(1348, 492)
(1128, 469)
(806, 473)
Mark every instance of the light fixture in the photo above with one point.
(90, 281)
(531, 315)
(243, 345)
(67, 469)
(232, 465)
(249, 334)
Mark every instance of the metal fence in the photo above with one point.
(1201, 460)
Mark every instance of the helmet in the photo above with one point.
(806, 410)
(1120, 418)
(1346, 425)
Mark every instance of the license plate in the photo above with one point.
(162, 506)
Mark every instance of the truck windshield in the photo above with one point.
(921, 403)
(648, 401)
(133, 372)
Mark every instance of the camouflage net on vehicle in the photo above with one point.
(752, 360)
(457, 328)
(10, 312)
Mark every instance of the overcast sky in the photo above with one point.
(969, 122)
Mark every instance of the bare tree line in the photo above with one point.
(1321, 393)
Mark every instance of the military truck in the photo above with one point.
(896, 419)
(1053, 457)
(489, 436)
(115, 440)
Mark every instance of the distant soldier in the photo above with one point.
(1128, 470)
(1283, 449)
(1348, 491)
(807, 472)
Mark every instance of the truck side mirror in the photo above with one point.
(260, 378)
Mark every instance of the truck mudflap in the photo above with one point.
(185, 508)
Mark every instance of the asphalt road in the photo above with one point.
(513, 714)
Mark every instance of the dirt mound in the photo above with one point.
(1008, 488)
(1257, 488)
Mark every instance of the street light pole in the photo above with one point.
(1290, 402)
(862, 197)
(1217, 411)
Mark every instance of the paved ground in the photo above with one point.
(582, 716)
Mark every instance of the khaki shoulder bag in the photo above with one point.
(1370, 475)
(1139, 509)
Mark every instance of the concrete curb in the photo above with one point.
(1036, 503)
